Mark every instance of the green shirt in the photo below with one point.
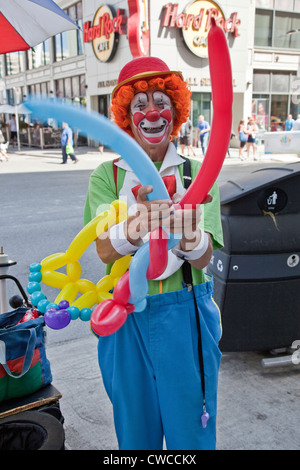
(102, 192)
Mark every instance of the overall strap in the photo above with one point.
(188, 281)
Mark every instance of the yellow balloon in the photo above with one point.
(86, 236)
(105, 222)
(120, 267)
(74, 271)
(105, 284)
(87, 300)
(55, 279)
(68, 292)
(55, 261)
(85, 286)
(70, 283)
(104, 296)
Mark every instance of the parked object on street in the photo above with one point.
(257, 273)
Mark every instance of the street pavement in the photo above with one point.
(258, 408)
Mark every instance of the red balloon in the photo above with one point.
(108, 317)
(122, 290)
(158, 253)
(222, 97)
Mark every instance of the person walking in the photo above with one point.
(12, 124)
(67, 140)
(186, 131)
(158, 384)
(203, 129)
(243, 138)
(251, 142)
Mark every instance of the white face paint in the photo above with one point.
(152, 115)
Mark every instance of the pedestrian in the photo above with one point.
(3, 147)
(158, 384)
(12, 123)
(296, 126)
(67, 144)
(243, 138)
(289, 123)
(251, 142)
(186, 132)
(203, 129)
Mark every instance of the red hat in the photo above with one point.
(143, 68)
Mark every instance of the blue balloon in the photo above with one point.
(35, 267)
(101, 128)
(33, 287)
(74, 312)
(42, 305)
(35, 277)
(36, 297)
(85, 314)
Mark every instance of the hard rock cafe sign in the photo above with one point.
(195, 22)
(104, 31)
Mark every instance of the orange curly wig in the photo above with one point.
(172, 85)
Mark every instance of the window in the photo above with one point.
(71, 89)
(277, 23)
(39, 55)
(70, 43)
(14, 63)
(263, 28)
(261, 82)
(39, 89)
(273, 98)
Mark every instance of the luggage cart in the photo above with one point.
(35, 421)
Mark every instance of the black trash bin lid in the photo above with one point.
(31, 430)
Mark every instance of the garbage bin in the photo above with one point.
(257, 273)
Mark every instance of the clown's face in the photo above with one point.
(152, 119)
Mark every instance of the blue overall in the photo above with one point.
(151, 372)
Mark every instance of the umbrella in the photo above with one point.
(26, 23)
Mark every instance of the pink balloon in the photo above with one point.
(108, 317)
(158, 253)
(222, 97)
(122, 290)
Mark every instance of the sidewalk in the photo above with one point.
(38, 160)
(258, 409)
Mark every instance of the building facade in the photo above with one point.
(83, 66)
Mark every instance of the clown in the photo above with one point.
(160, 369)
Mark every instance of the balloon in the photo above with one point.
(57, 319)
(121, 291)
(222, 97)
(101, 128)
(109, 318)
(158, 253)
(110, 313)
(36, 297)
(143, 266)
(70, 283)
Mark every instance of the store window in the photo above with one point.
(70, 43)
(277, 23)
(273, 99)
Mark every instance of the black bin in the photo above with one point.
(257, 273)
